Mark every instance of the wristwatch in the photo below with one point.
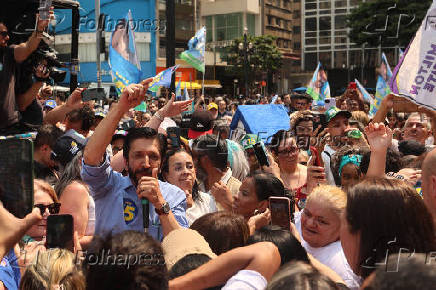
(165, 209)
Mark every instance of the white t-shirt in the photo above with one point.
(201, 207)
(332, 256)
(246, 280)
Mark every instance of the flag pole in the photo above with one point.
(202, 85)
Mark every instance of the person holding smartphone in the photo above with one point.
(10, 58)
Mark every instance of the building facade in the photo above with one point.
(145, 22)
(324, 38)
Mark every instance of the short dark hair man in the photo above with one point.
(118, 199)
(44, 165)
(210, 156)
(300, 102)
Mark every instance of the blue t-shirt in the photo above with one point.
(9, 271)
(117, 206)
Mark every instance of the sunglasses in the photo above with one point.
(53, 208)
(4, 33)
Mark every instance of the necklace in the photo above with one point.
(288, 183)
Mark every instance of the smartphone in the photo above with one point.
(281, 212)
(261, 155)
(60, 231)
(174, 135)
(16, 176)
(44, 9)
(319, 119)
(329, 102)
(93, 94)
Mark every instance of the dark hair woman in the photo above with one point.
(178, 169)
(383, 215)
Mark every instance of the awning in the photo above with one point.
(210, 84)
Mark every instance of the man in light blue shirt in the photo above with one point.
(117, 198)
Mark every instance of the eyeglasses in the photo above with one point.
(53, 208)
(302, 129)
(290, 150)
(4, 33)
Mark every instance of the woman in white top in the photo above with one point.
(319, 226)
(178, 169)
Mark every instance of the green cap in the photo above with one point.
(334, 111)
(249, 140)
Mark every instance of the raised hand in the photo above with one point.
(173, 108)
(131, 97)
(221, 193)
(379, 136)
(315, 175)
(75, 99)
(42, 24)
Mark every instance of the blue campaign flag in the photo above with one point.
(123, 60)
(162, 79)
(179, 90)
(196, 48)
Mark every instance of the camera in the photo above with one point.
(47, 56)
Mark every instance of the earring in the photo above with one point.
(256, 212)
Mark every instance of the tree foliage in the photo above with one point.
(394, 22)
(263, 57)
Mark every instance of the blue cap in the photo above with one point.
(50, 104)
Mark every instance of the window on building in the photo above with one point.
(340, 21)
(325, 40)
(296, 14)
(209, 29)
(296, 29)
(286, 44)
(310, 6)
(251, 19)
(325, 23)
(310, 41)
(228, 26)
(340, 3)
(270, 19)
(340, 59)
(340, 40)
(279, 22)
(297, 45)
(325, 58)
(324, 5)
(310, 61)
(311, 24)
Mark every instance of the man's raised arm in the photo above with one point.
(23, 50)
(96, 146)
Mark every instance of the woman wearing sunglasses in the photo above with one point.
(46, 200)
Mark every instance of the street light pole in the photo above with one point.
(246, 61)
(98, 37)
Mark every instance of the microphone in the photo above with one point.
(145, 213)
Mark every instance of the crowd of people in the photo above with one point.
(152, 211)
